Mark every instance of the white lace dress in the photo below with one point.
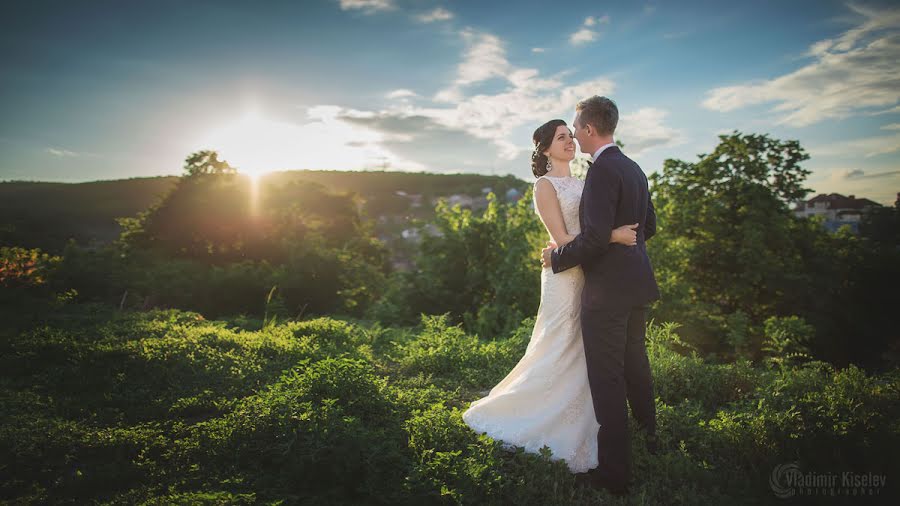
(546, 398)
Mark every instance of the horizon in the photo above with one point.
(101, 92)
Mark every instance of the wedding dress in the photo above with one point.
(546, 399)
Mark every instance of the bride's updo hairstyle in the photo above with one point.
(543, 138)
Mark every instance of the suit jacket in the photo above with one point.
(616, 276)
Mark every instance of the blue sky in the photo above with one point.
(108, 90)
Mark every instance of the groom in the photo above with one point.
(618, 286)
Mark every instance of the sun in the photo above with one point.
(256, 145)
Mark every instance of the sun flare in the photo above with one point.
(256, 145)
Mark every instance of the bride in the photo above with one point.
(546, 399)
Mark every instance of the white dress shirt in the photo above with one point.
(600, 150)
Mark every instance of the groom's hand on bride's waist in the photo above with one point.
(545, 254)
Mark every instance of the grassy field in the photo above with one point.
(166, 407)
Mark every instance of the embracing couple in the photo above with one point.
(587, 353)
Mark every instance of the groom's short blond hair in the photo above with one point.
(599, 112)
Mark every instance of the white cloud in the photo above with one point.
(401, 93)
(66, 153)
(645, 129)
(61, 153)
(585, 34)
(537, 50)
(367, 6)
(866, 147)
(849, 75)
(880, 186)
(892, 126)
(892, 110)
(582, 36)
(460, 129)
(854, 173)
(484, 59)
(529, 98)
(438, 14)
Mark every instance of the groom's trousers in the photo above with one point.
(618, 369)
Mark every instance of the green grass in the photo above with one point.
(109, 407)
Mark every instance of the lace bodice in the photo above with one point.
(568, 192)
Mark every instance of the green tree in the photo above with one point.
(726, 253)
(206, 162)
(213, 244)
(730, 254)
(481, 269)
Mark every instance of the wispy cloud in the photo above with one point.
(367, 6)
(646, 129)
(849, 75)
(860, 174)
(402, 93)
(484, 59)
(66, 153)
(538, 50)
(587, 33)
(866, 147)
(61, 153)
(880, 186)
(489, 120)
(582, 36)
(438, 14)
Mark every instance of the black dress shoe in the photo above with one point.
(582, 479)
(613, 488)
(597, 481)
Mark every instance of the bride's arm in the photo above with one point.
(552, 217)
(622, 235)
(550, 213)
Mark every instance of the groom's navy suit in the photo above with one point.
(618, 285)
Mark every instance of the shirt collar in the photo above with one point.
(600, 150)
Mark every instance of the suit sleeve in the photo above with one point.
(650, 224)
(601, 198)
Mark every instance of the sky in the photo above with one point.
(95, 90)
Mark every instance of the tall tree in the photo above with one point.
(726, 255)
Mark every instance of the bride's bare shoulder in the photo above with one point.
(543, 184)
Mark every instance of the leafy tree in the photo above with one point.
(206, 162)
(213, 244)
(726, 245)
(730, 254)
(482, 270)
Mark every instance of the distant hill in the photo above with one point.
(45, 215)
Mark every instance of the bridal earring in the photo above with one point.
(549, 165)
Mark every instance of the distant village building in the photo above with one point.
(415, 199)
(462, 200)
(415, 234)
(486, 190)
(837, 209)
(513, 195)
